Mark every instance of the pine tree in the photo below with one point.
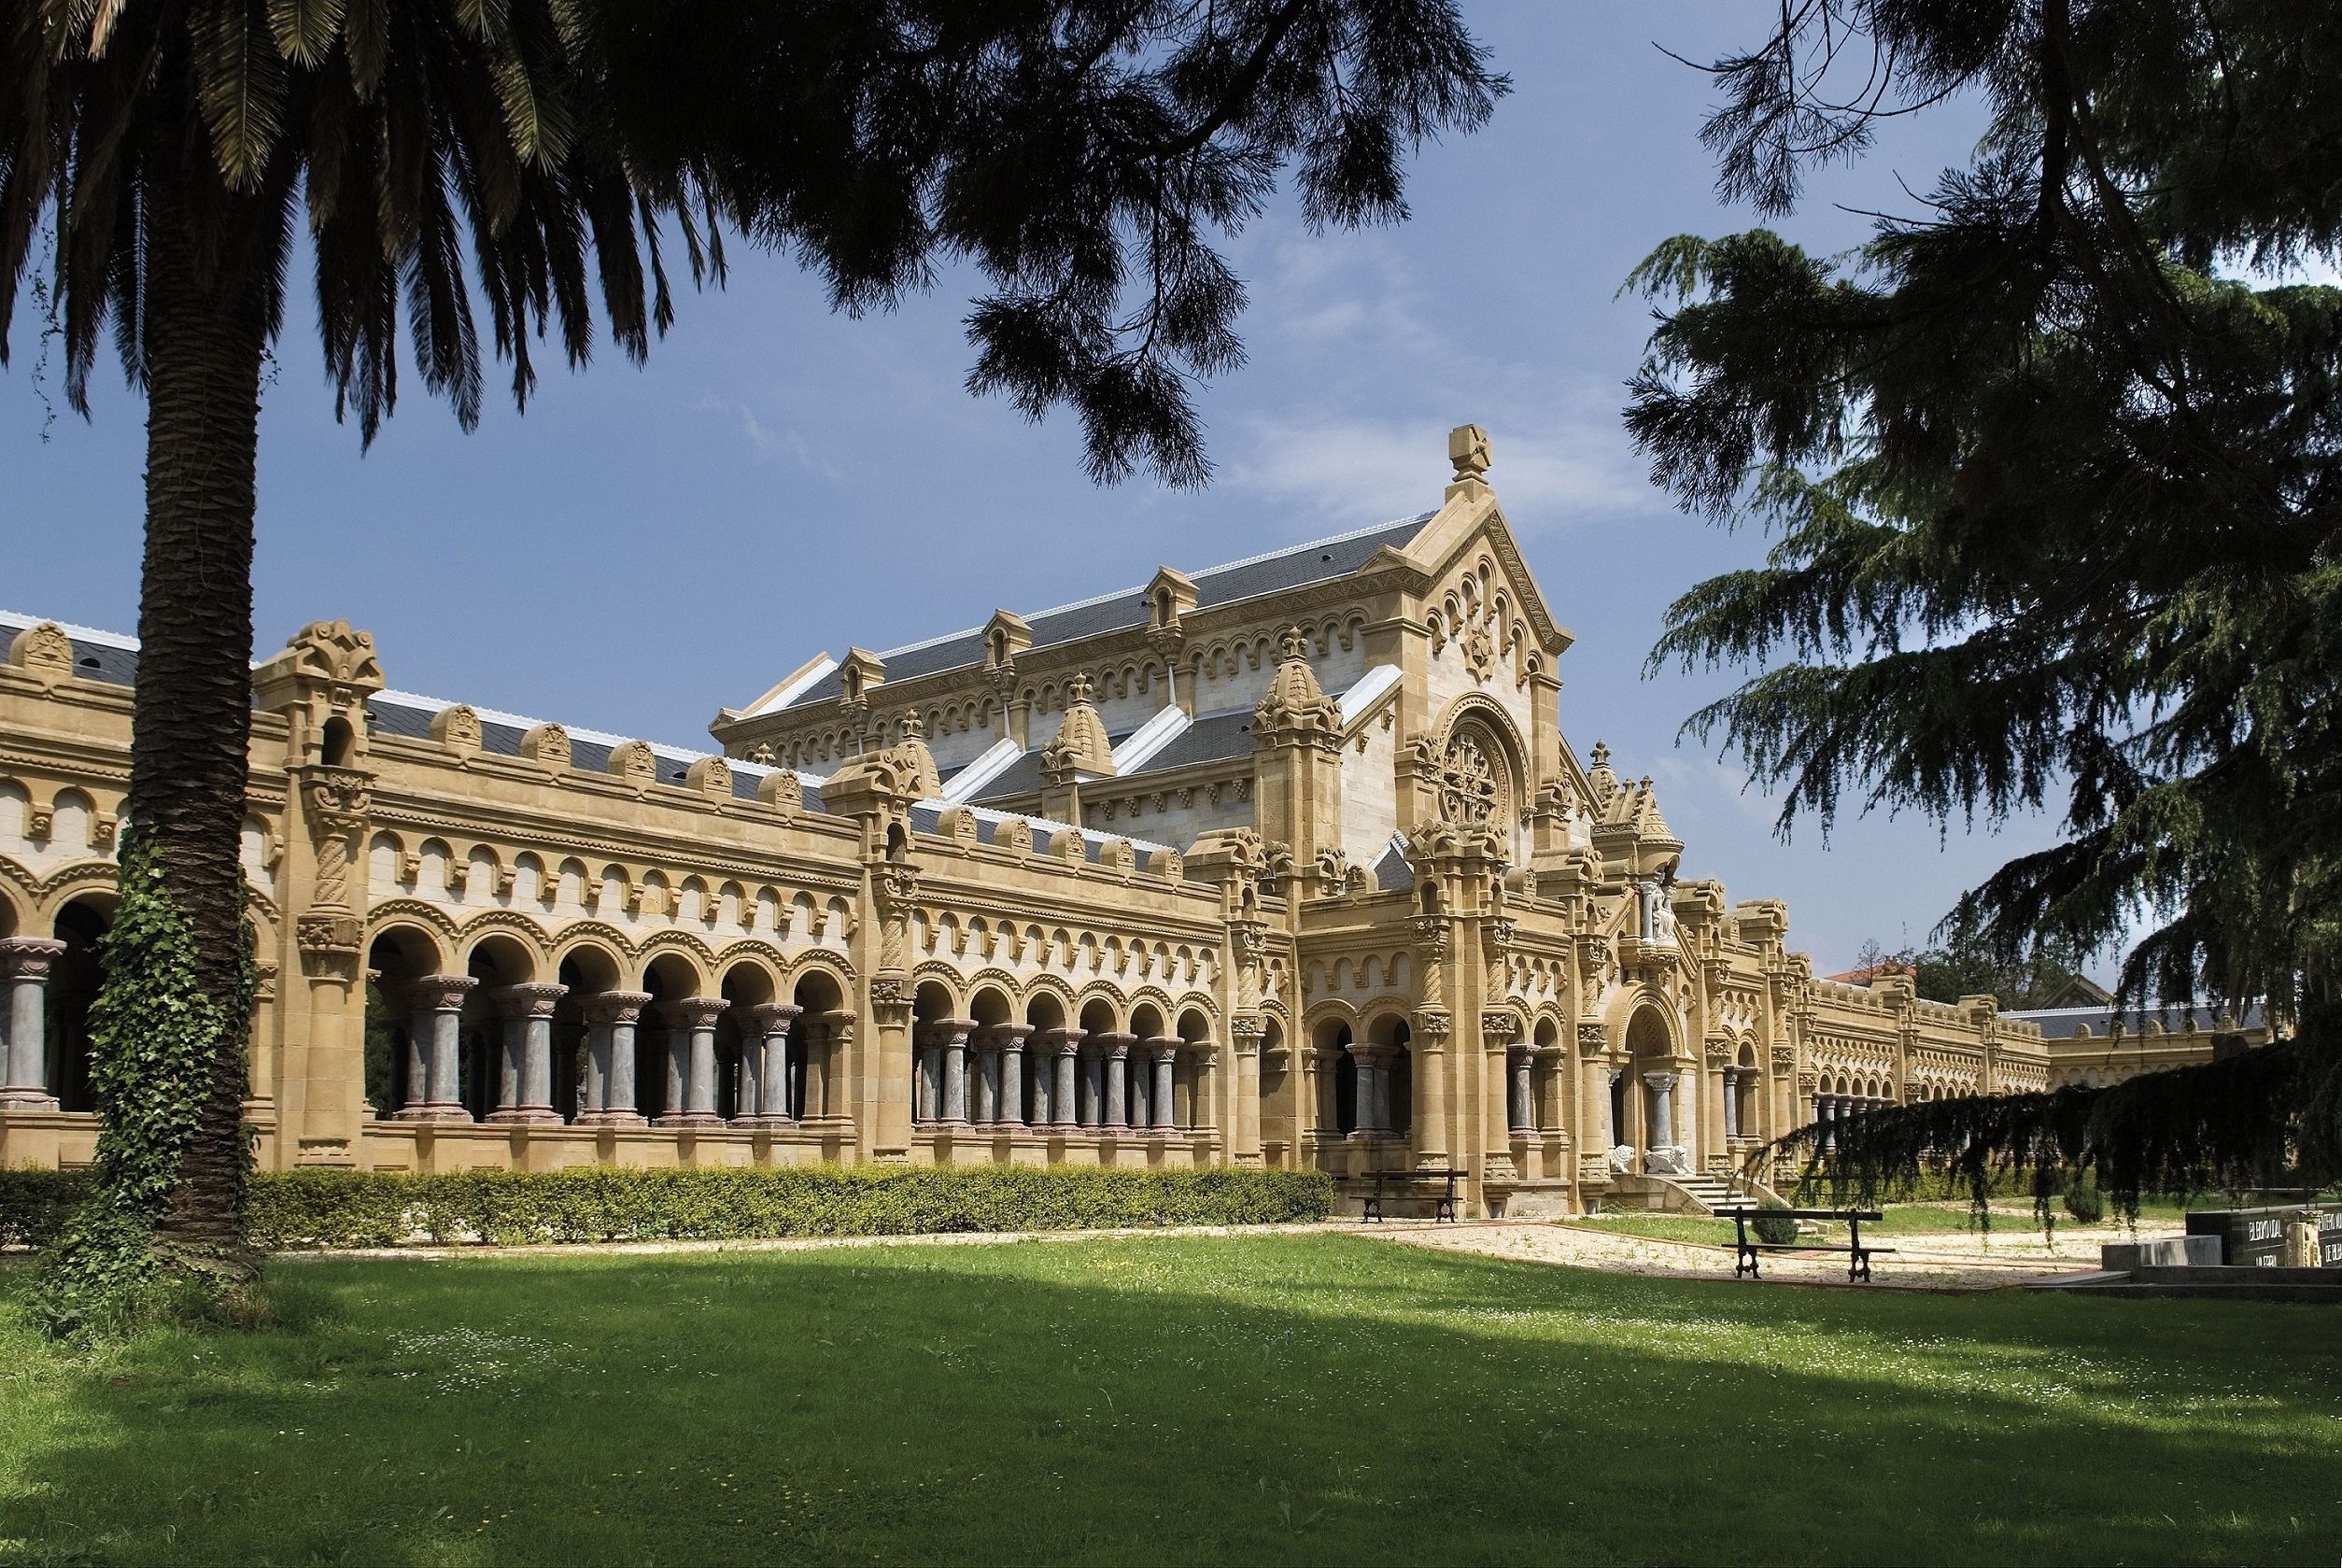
(2050, 467)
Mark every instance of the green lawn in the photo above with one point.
(1321, 1399)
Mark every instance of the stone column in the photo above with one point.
(824, 1099)
(610, 1023)
(1165, 1052)
(1137, 1109)
(1662, 1087)
(986, 1045)
(24, 1049)
(1524, 1118)
(434, 1033)
(1246, 1052)
(1064, 1102)
(927, 1081)
(524, 1088)
(1373, 1092)
(952, 1037)
(1114, 1055)
(1731, 1104)
(766, 1040)
(692, 1061)
(1826, 1117)
(1009, 1063)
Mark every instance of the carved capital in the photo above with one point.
(617, 1007)
(529, 999)
(768, 1018)
(29, 958)
(693, 1012)
(1592, 1039)
(440, 993)
(1500, 1024)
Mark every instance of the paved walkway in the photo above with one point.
(1960, 1261)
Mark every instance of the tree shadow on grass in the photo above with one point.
(1302, 1399)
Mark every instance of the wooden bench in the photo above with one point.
(1858, 1255)
(1444, 1205)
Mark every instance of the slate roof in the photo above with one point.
(2059, 1023)
(108, 656)
(97, 656)
(1296, 566)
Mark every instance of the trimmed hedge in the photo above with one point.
(292, 1209)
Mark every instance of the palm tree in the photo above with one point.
(172, 159)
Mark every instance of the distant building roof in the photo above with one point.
(2065, 1022)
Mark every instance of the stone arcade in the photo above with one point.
(1285, 863)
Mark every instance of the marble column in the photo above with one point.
(1524, 1119)
(766, 1041)
(1138, 1087)
(691, 1070)
(610, 1019)
(926, 1079)
(1009, 1063)
(1373, 1096)
(437, 1024)
(985, 1044)
(1114, 1056)
(524, 1085)
(1063, 1100)
(1731, 1104)
(25, 961)
(952, 1037)
(1662, 1087)
(1164, 1103)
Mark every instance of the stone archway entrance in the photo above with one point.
(1655, 1087)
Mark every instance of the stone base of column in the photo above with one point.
(27, 1099)
(762, 1120)
(1430, 1159)
(431, 1110)
(526, 1116)
(689, 1119)
(612, 1119)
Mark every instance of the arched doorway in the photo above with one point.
(1657, 1094)
(77, 974)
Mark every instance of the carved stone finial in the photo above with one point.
(42, 646)
(1295, 643)
(1468, 449)
(910, 726)
(1078, 690)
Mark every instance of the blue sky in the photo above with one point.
(645, 547)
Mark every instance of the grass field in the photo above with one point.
(1315, 1399)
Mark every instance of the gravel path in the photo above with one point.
(1961, 1261)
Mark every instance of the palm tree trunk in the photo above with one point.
(191, 723)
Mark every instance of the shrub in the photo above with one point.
(301, 1208)
(1775, 1230)
(2084, 1203)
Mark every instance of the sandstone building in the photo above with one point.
(1286, 862)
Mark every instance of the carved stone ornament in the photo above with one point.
(1808, 1082)
(1500, 1024)
(1719, 1051)
(332, 651)
(1469, 787)
(547, 743)
(325, 934)
(635, 762)
(457, 729)
(1592, 1039)
(43, 647)
(1784, 1058)
(1433, 1026)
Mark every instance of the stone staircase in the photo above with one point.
(1710, 1192)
